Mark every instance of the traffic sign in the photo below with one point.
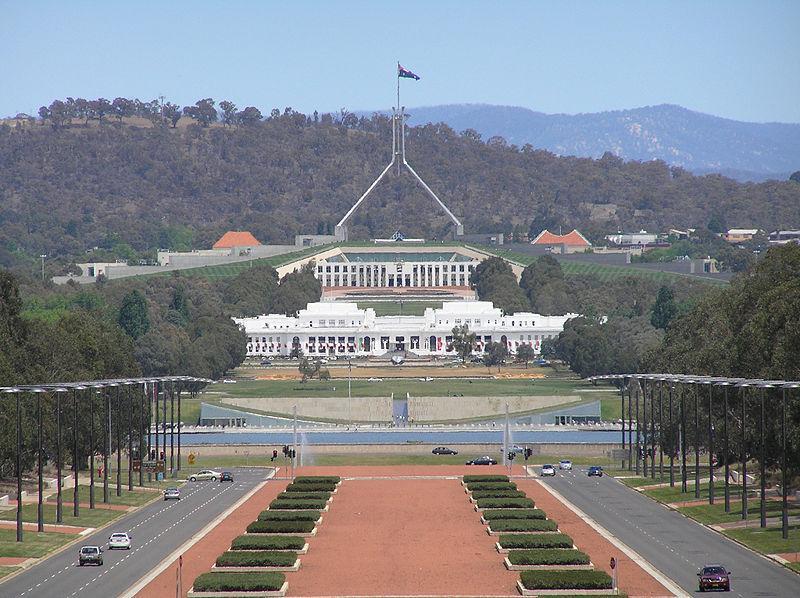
(191, 458)
(613, 563)
(153, 466)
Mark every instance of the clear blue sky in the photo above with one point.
(735, 59)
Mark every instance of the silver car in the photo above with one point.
(119, 540)
(172, 494)
(206, 474)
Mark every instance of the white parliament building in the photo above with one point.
(341, 328)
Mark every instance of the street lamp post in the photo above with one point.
(710, 447)
(661, 430)
(43, 255)
(672, 446)
(75, 463)
(119, 443)
(129, 395)
(638, 438)
(743, 395)
(630, 424)
(726, 449)
(172, 428)
(39, 504)
(696, 437)
(59, 496)
(18, 459)
(622, 413)
(682, 407)
(763, 450)
(784, 465)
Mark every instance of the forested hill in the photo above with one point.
(126, 188)
(699, 142)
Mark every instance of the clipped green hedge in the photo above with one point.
(514, 514)
(523, 525)
(282, 504)
(478, 494)
(280, 527)
(318, 479)
(505, 503)
(485, 478)
(262, 558)
(477, 486)
(565, 580)
(520, 541)
(548, 556)
(288, 515)
(266, 542)
(221, 581)
(326, 487)
(304, 495)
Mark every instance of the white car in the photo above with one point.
(565, 464)
(206, 474)
(374, 379)
(119, 540)
(548, 470)
(172, 494)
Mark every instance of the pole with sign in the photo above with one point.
(613, 573)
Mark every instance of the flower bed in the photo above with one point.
(492, 514)
(267, 542)
(522, 541)
(522, 525)
(260, 558)
(317, 479)
(565, 580)
(485, 478)
(289, 515)
(505, 503)
(305, 495)
(548, 556)
(476, 486)
(281, 504)
(479, 494)
(281, 527)
(219, 581)
(316, 487)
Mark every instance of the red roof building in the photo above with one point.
(573, 240)
(236, 238)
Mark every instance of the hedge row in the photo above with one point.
(288, 515)
(518, 541)
(305, 495)
(505, 503)
(266, 542)
(514, 514)
(219, 581)
(523, 525)
(477, 486)
(324, 487)
(565, 580)
(548, 556)
(262, 558)
(485, 478)
(280, 527)
(317, 479)
(498, 494)
(281, 504)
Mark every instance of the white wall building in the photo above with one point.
(337, 328)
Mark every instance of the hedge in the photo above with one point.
(262, 542)
(222, 581)
(262, 558)
(280, 527)
(318, 479)
(475, 486)
(310, 488)
(523, 525)
(505, 503)
(514, 514)
(288, 515)
(297, 504)
(548, 556)
(518, 541)
(565, 580)
(498, 494)
(485, 478)
(305, 495)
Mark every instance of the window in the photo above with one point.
(322, 322)
(477, 322)
(331, 322)
(458, 321)
(327, 269)
(336, 268)
(341, 322)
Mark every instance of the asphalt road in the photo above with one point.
(672, 543)
(157, 530)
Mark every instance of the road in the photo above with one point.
(157, 530)
(672, 543)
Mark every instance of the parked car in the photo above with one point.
(119, 540)
(90, 555)
(714, 577)
(485, 460)
(548, 470)
(595, 470)
(515, 448)
(374, 379)
(565, 464)
(443, 450)
(266, 363)
(206, 474)
(172, 494)
(226, 476)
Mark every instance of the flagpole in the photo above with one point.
(398, 86)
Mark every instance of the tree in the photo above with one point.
(664, 309)
(203, 112)
(229, 115)
(172, 113)
(795, 176)
(121, 108)
(249, 116)
(133, 317)
(525, 353)
(463, 341)
(495, 354)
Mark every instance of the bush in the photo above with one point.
(318, 479)
(498, 494)
(477, 486)
(565, 580)
(310, 487)
(514, 514)
(523, 525)
(280, 527)
(485, 478)
(262, 542)
(518, 541)
(305, 495)
(220, 581)
(262, 558)
(548, 556)
(288, 516)
(281, 504)
(505, 503)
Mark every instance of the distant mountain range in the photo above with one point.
(698, 142)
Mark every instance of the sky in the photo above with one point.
(739, 60)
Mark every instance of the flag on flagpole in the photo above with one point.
(405, 73)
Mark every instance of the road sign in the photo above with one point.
(153, 466)
(191, 458)
(613, 563)
(136, 464)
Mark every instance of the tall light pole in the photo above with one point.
(43, 255)
(18, 455)
(763, 453)
(743, 396)
(784, 465)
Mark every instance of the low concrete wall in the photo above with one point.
(362, 409)
(423, 409)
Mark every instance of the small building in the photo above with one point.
(740, 235)
(572, 242)
(782, 237)
(237, 239)
(632, 239)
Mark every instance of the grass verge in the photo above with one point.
(33, 545)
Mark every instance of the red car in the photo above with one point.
(714, 577)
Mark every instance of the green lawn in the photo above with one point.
(33, 544)
(399, 308)
(769, 540)
(610, 409)
(710, 514)
(88, 517)
(666, 494)
(7, 570)
(131, 499)
(794, 567)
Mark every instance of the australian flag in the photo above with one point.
(401, 72)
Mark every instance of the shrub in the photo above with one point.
(485, 478)
(318, 479)
(262, 558)
(548, 556)
(518, 541)
(221, 581)
(505, 503)
(498, 494)
(523, 525)
(297, 504)
(265, 542)
(477, 486)
(327, 487)
(565, 580)
(280, 527)
(514, 514)
(305, 495)
(288, 516)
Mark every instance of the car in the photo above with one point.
(485, 460)
(90, 555)
(172, 494)
(119, 540)
(443, 450)
(206, 474)
(548, 470)
(266, 363)
(229, 381)
(374, 379)
(476, 360)
(226, 476)
(595, 470)
(514, 449)
(714, 577)
(565, 464)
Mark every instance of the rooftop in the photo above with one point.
(573, 238)
(236, 238)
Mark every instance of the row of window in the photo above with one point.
(415, 269)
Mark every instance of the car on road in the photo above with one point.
(266, 363)
(443, 450)
(90, 555)
(206, 474)
(485, 460)
(714, 577)
(374, 379)
(548, 470)
(595, 470)
(226, 476)
(514, 449)
(565, 464)
(119, 540)
(172, 494)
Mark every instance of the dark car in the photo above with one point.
(486, 460)
(226, 476)
(714, 577)
(90, 555)
(443, 450)
(595, 470)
